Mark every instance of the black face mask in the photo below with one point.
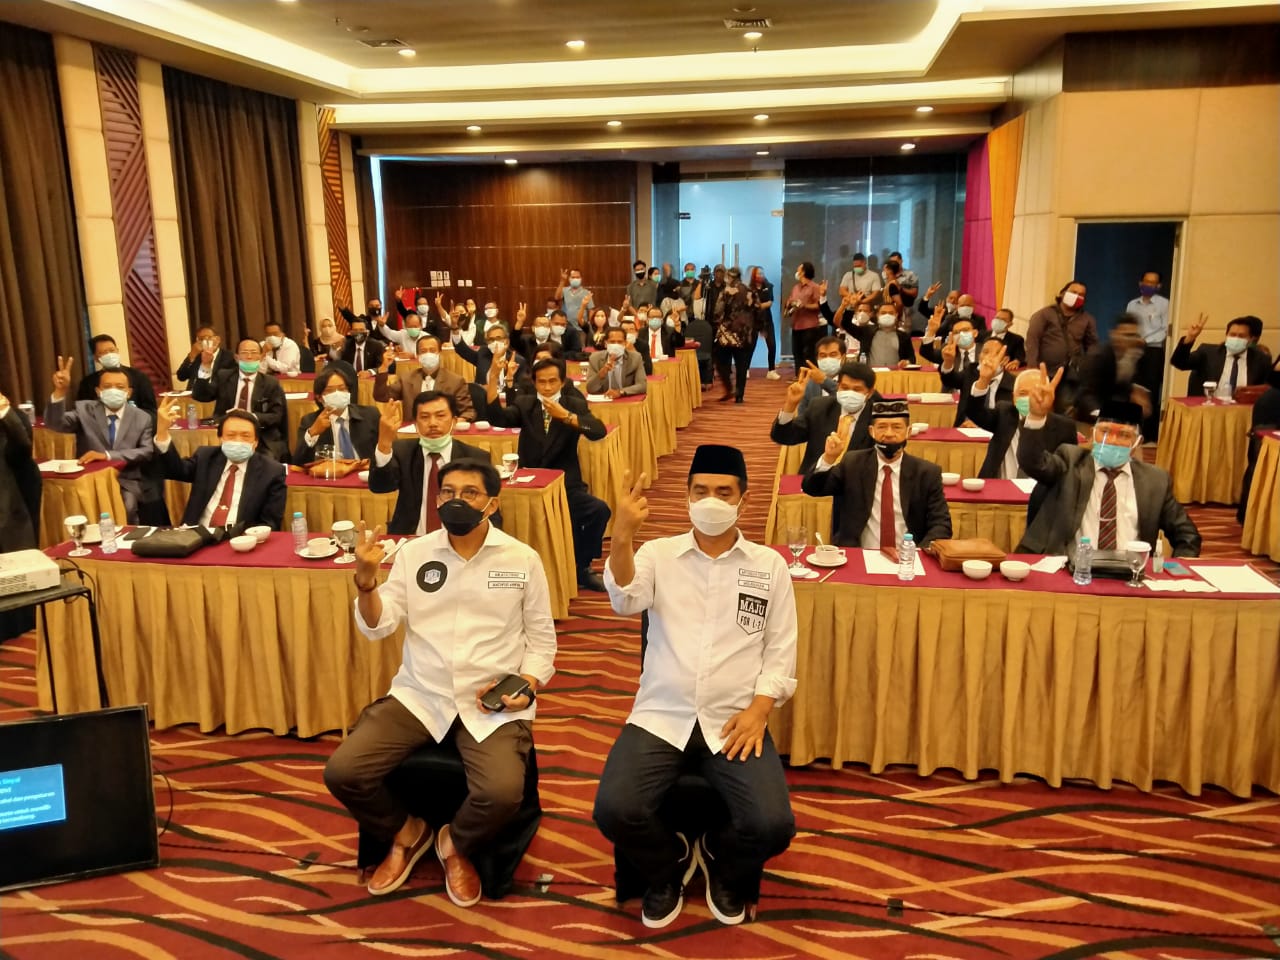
(639, 274)
(890, 450)
(375, 311)
(359, 337)
(459, 517)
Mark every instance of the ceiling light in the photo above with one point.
(908, 146)
(752, 35)
(761, 117)
(511, 161)
(762, 153)
(614, 123)
(407, 52)
(925, 109)
(474, 128)
(575, 44)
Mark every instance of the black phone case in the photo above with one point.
(512, 685)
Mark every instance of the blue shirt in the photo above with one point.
(572, 303)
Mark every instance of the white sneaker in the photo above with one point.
(772, 375)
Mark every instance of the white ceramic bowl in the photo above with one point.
(914, 397)
(950, 479)
(260, 534)
(977, 569)
(482, 424)
(973, 484)
(459, 426)
(243, 543)
(917, 428)
(1015, 570)
(364, 476)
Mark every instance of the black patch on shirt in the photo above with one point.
(431, 576)
(751, 613)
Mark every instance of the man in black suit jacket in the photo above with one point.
(863, 476)
(401, 465)
(1116, 371)
(257, 480)
(497, 343)
(551, 422)
(1214, 362)
(107, 357)
(855, 395)
(636, 344)
(543, 330)
(207, 351)
(1015, 345)
(1078, 481)
(362, 351)
(227, 389)
(338, 421)
(670, 338)
(997, 385)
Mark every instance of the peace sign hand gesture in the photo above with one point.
(1044, 392)
(795, 390)
(632, 509)
(1196, 328)
(62, 376)
(837, 442)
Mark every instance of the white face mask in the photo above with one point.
(557, 330)
(999, 326)
(615, 350)
(862, 318)
(490, 312)
(1072, 299)
(886, 320)
(541, 333)
(337, 401)
(109, 361)
(274, 342)
(631, 338)
(113, 398)
(965, 312)
(711, 516)
(498, 347)
(851, 401)
(430, 361)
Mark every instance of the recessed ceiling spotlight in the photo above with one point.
(752, 35)
(287, 1)
(925, 109)
(474, 128)
(762, 153)
(511, 161)
(761, 117)
(908, 146)
(407, 52)
(614, 123)
(575, 44)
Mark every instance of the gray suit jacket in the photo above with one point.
(87, 419)
(1067, 473)
(633, 376)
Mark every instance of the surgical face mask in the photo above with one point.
(711, 516)
(1023, 406)
(653, 277)
(851, 401)
(689, 274)
(829, 366)
(859, 271)
(1072, 299)
(655, 323)
(422, 309)
(799, 276)
(429, 362)
(554, 398)
(206, 344)
(249, 366)
(413, 333)
(886, 320)
(862, 318)
(274, 342)
(359, 337)
(614, 322)
(891, 450)
(541, 333)
(557, 330)
(237, 451)
(1148, 289)
(615, 350)
(337, 401)
(113, 398)
(575, 282)
(965, 340)
(497, 347)
(435, 444)
(999, 326)
(109, 361)
(459, 517)
(964, 312)
(1235, 345)
(490, 312)
(1110, 456)
(631, 338)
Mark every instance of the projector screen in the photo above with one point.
(76, 797)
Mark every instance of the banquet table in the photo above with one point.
(47, 444)
(90, 492)
(893, 380)
(997, 512)
(1262, 511)
(1102, 682)
(937, 414)
(1205, 446)
(683, 399)
(688, 357)
(449, 360)
(632, 417)
(950, 449)
(661, 402)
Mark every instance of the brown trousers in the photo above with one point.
(387, 732)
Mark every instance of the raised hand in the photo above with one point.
(1044, 391)
(400, 293)
(62, 376)
(512, 369)
(564, 276)
(521, 312)
(837, 442)
(822, 289)
(369, 551)
(632, 509)
(1196, 328)
(389, 425)
(167, 414)
(795, 390)
(322, 423)
(949, 352)
(388, 358)
(933, 288)
(989, 364)
(935, 321)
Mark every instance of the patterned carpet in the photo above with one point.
(257, 856)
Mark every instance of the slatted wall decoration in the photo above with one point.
(335, 216)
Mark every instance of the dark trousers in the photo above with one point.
(1153, 380)
(739, 358)
(804, 345)
(387, 732)
(704, 370)
(641, 769)
(770, 339)
(589, 516)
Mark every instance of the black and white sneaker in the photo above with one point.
(725, 905)
(663, 902)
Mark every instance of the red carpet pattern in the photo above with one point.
(257, 857)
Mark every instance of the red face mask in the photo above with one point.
(1073, 299)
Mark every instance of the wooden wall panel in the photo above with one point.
(509, 230)
(335, 214)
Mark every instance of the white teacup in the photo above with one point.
(317, 546)
(828, 551)
(918, 428)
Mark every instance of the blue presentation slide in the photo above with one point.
(32, 797)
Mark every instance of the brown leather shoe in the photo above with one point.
(395, 869)
(461, 881)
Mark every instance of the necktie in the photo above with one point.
(655, 345)
(219, 518)
(1107, 513)
(111, 430)
(546, 419)
(615, 377)
(243, 402)
(888, 525)
(1235, 372)
(431, 507)
(344, 441)
(359, 357)
(846, 425)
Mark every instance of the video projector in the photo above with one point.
(23, 571)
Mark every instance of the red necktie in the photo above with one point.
(433, 495)
(888, 525)
(243, 402)
(220, 512)
(656, 348)
(1107, 513)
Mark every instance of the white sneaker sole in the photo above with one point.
(408, 870)
(660, 922)
(728, 921)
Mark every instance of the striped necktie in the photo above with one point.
(1107, 512)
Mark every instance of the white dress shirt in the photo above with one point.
(1126, 508)
(871, 532)
(655, 346)
(722, 630)
(466, 622)
(206, 515)
(286, 359)
(446, 456)
(1153, 319)
(989, 394)
(1242, 373)
(344, 418)
(1009, 468)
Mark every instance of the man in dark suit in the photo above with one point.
(668, 338)
(250, 388)
(851, 406)
(497, 344)
(1100, 493)
(1234, 362)
(635, 343)
(205, 352)
(233, 484)
(361, 351)
(545, 329)
(886, 492)
(107, 357)
(1015, 346)
(1116, 371)
(20, 493)
(350, 428)
(956, 354)
(551, 422)
(427, 375)
(998, 388)
(412, 466)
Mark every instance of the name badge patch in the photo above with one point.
(751, 613)
(755, 574)
(754, 585)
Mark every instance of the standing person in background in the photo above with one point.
(690, 288)
(858, 279)
(643, 290)
(908, 282)
(734, 320)
(1059, 336)
(763, 291)
(574, 299)
(807, 327)
(1152, 311)
(107, 357)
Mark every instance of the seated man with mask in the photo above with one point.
(1102, 493)
(886, 493)
(721, 655)
(617, 371)
(412, 466)
(849, 410)
(106, 356)
(351, 429)
(429, 375)
(461, 637)
(884, 344)
(496, 349)
(822, 379)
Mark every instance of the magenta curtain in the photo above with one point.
(977, 264)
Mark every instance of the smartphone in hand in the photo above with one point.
(512, 685)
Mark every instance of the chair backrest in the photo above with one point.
(307, 362)
(479, 399)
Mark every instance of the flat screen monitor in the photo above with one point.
(76, 797)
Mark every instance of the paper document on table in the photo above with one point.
(1049, 564)
(296, 396)
(877, 562)
(976, 432)
(1179, 586)
(1236, 579)
(937, 398)
(1025, 484)
(597, 398)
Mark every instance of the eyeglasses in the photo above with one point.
(470, 494)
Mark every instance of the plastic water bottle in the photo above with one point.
(1083, 574)
(107, 527)
(907, 557)
(1157, 559)
(299, 528)
(193, 417)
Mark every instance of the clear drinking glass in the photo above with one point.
(75, 530)
(797, 540)
(1136, 553)
(511, 463)
(344, 534)
(1210, 390)
(325, 452)
(1222, 394)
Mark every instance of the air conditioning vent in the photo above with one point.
(759, 23)
(383, 44)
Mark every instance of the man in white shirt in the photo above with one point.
(1152, 311)
(721, 655)
(280, 355)
(861, 280)
(476, 609)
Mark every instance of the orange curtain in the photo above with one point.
(1004, 155)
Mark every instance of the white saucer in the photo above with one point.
(838, 561)
(308, 555)
(800, 573)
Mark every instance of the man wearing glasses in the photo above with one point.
(476, 609)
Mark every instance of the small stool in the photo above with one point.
(431, 783)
